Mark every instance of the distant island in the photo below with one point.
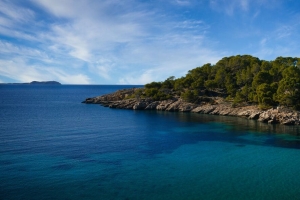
(240, 85)
(44, 83)
(36, 83)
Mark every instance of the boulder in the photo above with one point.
(163, 105)
(152, 106)
(288, 122)
(271, 121)
(140, 105)
(174, 106)
(186, 107)
(254, 115)
(205, 109)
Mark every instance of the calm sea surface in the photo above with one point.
(54, 147)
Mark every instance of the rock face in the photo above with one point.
(120, 99)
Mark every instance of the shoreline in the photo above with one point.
(217, 106)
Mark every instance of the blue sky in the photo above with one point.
(138, 41)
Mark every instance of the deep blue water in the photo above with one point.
(54, 147)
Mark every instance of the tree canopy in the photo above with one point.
(242, 78)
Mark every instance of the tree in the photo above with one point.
(230, 85)
(169, 82)
(265, 94)
(189, 95)
(220, 78)
(243, 78)
(197, 84)
(210, 84)
(156, 85)
(288, 92)
(260, 78)
(266, 66)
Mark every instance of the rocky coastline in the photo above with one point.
(122, 99)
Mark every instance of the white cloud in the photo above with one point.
(230, 7)
(18, 70)
(21, 71)
(175, 62)
(6, 49)
(284, 31)
(135, 36)
(102, 70)
(15, 13)
(17, 34)
(263, 41)
(70, 40)
(15, 21)
(64, 8)
(138, 78)
(89, 30)
(269, 49)
(114, 40)
(69, 78)
(244, 4)
(182, 2)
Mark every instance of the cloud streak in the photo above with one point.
(22, 71)
(135, 36)
(132, 42)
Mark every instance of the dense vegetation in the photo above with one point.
(239, 79)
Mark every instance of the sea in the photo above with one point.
(52, 146)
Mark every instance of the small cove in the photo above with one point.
(54, 147)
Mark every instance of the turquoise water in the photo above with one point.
(54, 147)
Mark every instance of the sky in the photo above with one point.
(138, 41)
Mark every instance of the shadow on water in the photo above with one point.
(240, 124)
(191, 128)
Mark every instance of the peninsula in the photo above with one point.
(244, 86)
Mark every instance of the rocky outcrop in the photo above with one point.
(113, 97)
(225, 109)
(122, 99)
(280, 115)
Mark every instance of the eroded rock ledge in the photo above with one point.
(217, 106)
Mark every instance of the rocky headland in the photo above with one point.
(122, 99)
